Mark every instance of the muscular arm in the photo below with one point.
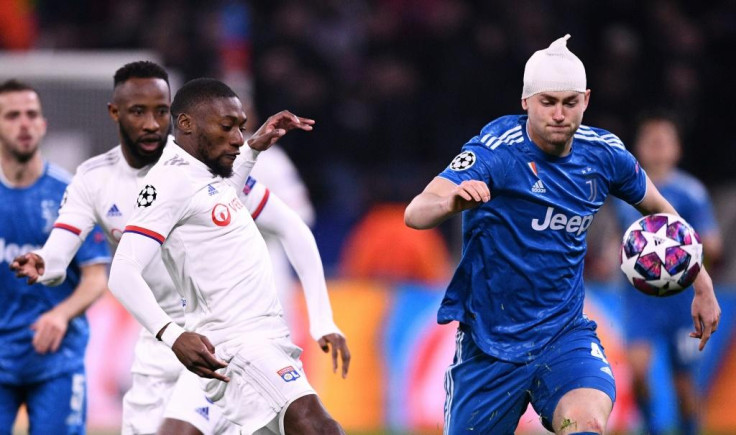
(51, 327)
(442, 199)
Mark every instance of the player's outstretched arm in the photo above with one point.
(441, 199)
(49, 329)
(705, 310)
(298, 241)
(48, 265)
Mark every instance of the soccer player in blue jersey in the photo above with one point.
(43, 330)
(650, 320)
(528, 187)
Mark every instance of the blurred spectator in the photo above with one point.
(382, 247)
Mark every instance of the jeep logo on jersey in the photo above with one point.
(220, 215)
(463, 161)
(146, 196)
(289, 374)
(558, 221)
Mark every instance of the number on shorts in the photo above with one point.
(597, 352)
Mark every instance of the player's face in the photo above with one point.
(554, 117)
(141, 108)
(22, 125)
(658, 147)
(219, 132)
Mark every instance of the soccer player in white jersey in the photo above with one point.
(104, 191)
(189, 209)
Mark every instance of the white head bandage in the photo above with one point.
(553, 69)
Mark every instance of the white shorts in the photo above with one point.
(168, 391)
(145, 402)
(266, 376)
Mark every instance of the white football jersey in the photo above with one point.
(210, 246)
(103, 192)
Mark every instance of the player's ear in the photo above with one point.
(113, 111)
(184, 123)
(524, 104)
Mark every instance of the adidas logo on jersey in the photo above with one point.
(211, 190)
(538, 187)
(204, 412)
(114, 211)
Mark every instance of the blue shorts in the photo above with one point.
(487, 395)
(55, 406)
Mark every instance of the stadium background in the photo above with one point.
(396, 87)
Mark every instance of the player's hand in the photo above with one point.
(28, 265)
(49, 330)
(705, 310)
(198, 355)
(339, 345)
(275, 127)
(468, 194)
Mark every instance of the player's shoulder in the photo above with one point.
(506, 130)
(598, 137)
(688, 184)
(101, 162)
(58, 174)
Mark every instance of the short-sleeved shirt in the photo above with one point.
(519, 283)
(26, 218)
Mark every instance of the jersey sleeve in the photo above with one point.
(254, 196)
(628, 181)
(160, 205)
(94, 249)
(475, 162)
(242, 166)
(77, 212)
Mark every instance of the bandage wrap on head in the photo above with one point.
(554, 69)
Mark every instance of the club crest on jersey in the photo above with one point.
(289, 374)
(221, 215)
(146, 196)
(463, 161)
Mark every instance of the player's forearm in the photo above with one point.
(57, 253)
(92, 285)
(301, 248)
(703, 284)
(426, 210)
(128, 286)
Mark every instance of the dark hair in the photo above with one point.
(142, 69)
(14, 85)
(657, 115)
(198, 91)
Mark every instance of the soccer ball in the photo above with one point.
(661, 254)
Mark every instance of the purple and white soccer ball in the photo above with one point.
(661, 254)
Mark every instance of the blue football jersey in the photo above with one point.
(519, 283)
(26, 218)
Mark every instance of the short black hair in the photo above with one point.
(14, 85)
(198, 91)
(142, 69)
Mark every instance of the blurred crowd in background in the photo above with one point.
(397, 86)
